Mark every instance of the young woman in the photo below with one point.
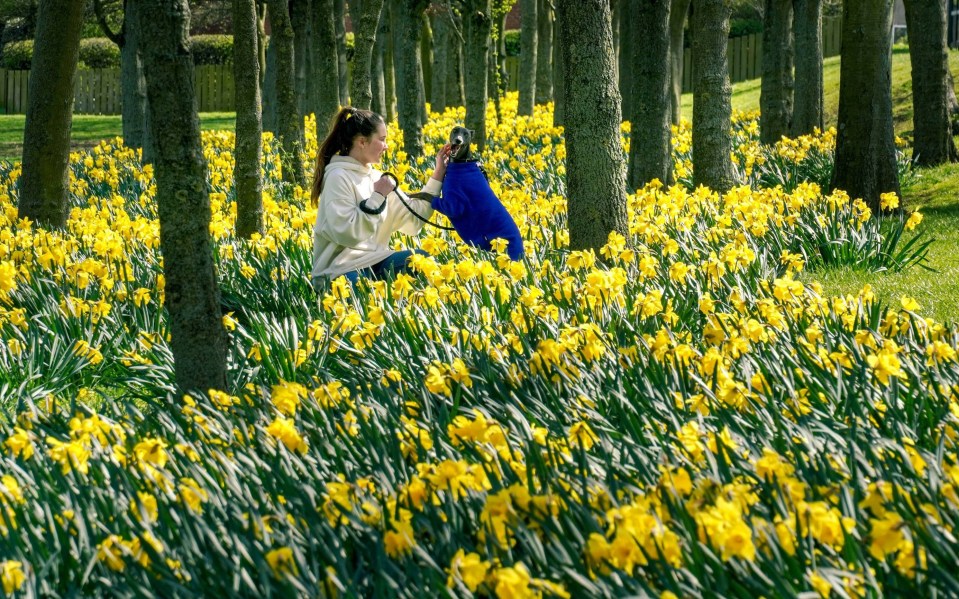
(357, 209)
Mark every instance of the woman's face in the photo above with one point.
(370, 149)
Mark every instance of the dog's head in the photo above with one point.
(460, 140)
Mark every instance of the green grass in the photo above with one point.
(88, 130)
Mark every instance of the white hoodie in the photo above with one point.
(344, 237)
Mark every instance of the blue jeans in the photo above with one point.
(394, 263)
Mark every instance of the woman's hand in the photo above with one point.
(442, 157)
(383, 186)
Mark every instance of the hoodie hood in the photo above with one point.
(347, 163)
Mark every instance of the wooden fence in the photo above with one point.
(744, 53)
(97, 91)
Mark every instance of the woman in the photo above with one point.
(358, 209)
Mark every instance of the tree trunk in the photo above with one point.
(630, 38)
(650, 151)
(455, 84)
(132, 85)
(502, 81)
(865, 143)
(378, 84)
(261, 39)
(197, 336)
(442, 41)
(249, 130)
(44, 182)
(712, 97)
(300, 20)
(477, 23)
(389, 64)
(529, 45)
(559, 75)
(269, 89)
(953, 102)
(678, 10)
(426, 61)
(409, 73)
(776, 88)
(342, 68)
(929, 56)
(289, 123)
(808, 96)
(325, 79)
(365, 22)
(544, 43)
(595, 173)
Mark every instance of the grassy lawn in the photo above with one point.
(88, 130)
(934, 191)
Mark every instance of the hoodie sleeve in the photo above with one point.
(344, 223)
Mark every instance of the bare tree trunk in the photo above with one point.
(389, 64)
(544, 41)
(630, 38)
(342, 69)
(132, 85)
(712, 97)
(776, 88)
(197, 336)
(261, 39)
(865, 142)
(269, 89)
(409, 73)
(300, 20)
(808, 96)
(929, 56)
(378, 84)
(249, 128)
(44, 183)
(365, 21)
(477, 23)
(595, 173)
(527, 58)
(426, 61)
(953, 102)
(455, 84)
(325, 79)
(678, 10)
(442, 41)
(559, 75)
(650, 151)
(289, 123)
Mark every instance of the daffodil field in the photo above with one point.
(674, 415)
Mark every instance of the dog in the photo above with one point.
(467, 201)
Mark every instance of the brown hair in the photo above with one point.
(348, 124)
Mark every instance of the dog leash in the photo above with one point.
(403, 198)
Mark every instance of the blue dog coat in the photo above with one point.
(475, 211)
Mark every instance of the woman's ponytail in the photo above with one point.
(348, 124)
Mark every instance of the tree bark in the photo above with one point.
(342, 69)
(389, 64)
(409, 73)
(712, 97)
(44, 182)
(300, 20)
(630, 38)
(929, 56)
(455, 84)
(426, 61)
(776, 87)
(442, 41)
(678, 10)
(595, 172)
(249, 127)
(261, 39)
(808, 95)
(378, 83)
(269, 88)
(477, 23)
(325, 79)
(865, 142)
(529, 45)
(544, 42)
(132, 85)
(365, 22)
(289, 123)
(650, 151)
(197, 336)
(559, 75)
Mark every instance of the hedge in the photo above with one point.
(101, 53)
